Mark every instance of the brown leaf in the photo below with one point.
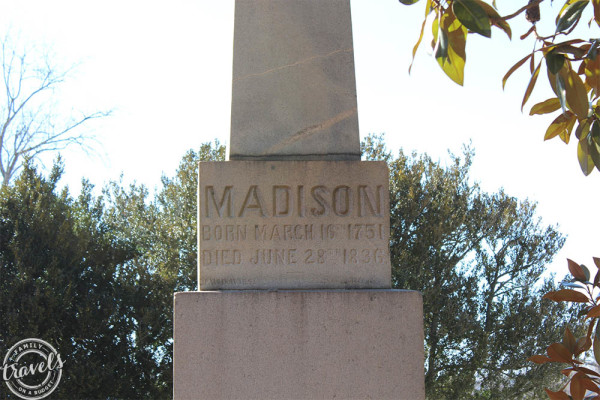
(567, 295)
(560, 395)
(594, 312)
(558, 352)
(576, 270)
(569, 340)
(539, 359)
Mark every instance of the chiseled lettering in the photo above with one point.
(228, 233)
(274, 257)
(342, 200)
(283, 232)
(365, 199)
(317, 193)
(221, 257)
(252, 201)
(282, 199)
(224, 205)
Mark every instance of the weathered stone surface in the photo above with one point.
(293, 225)
(324, 344)
(294, 90)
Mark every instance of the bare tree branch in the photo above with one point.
(29, 124)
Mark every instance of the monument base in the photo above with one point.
(299, 344)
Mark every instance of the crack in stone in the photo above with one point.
(311, 130)
(306, 60)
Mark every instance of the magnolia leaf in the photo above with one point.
(596, 4)
(597, 262)
(579, 272)
(414, 52)
(585, 159)
(545, 107)
(473, 16)
(531, 84)
(554, 61)
(408, 2)
(582, 129)
(588, 371)
(561, 126)
(595, 131)
(495, 18)
(592, 71)
(583, 344)
(576, 95)
(560, 395)
(571, 15)
(514, 68)
(594, 312)
(594, 151)
(569, 340)
(561, 92)
(566, 295)
(450, 48)
(558, 352)
(539, 359)
(576, 387)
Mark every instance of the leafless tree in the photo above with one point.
(29, 121)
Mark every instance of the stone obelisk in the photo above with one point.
(295, 298)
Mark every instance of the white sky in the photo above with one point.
(165, 68)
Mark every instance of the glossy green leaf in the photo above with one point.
(571, 15)
(592, 71)
(576, 94)
(582, 129)
(473, 16)
(531, 84)
(554, 61)
(595, 132)
(514, 68)
(594, 151)
(545, 107)
(561, 92)
(408, 2)
(561, 126)
(495, 18)
(450, 47)
(585, 159)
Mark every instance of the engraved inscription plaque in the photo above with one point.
(293, 225)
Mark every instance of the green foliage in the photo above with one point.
(478, 260)
(95, 276)
(573, 65)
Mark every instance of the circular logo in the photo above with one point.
(32, 369)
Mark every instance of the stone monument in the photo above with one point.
(295, 298)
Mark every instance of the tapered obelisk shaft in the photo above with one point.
(294, 89)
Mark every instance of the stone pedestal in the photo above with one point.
(298, 344)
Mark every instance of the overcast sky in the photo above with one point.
(165, 69)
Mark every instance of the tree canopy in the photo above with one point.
(95, 276)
